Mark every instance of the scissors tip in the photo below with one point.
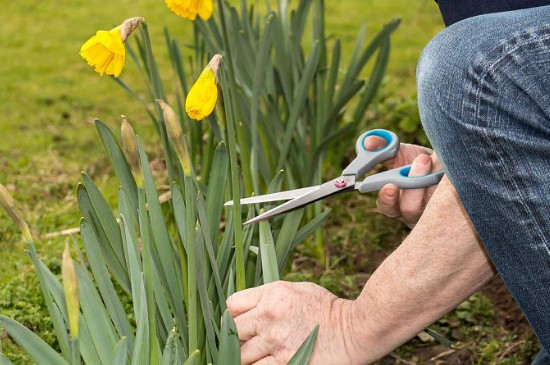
(253, 220)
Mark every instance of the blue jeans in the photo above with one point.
(484, 100)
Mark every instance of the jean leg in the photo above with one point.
(541, 358)
(484, 100)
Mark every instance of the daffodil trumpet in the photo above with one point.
(105, 51)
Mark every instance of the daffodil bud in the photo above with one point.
(202, 97)
(8, 203)
(175, 133)
(129, 142)
(70, 286)
(105, 51)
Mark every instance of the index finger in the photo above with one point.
(244, 300)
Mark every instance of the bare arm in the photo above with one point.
(441, 263)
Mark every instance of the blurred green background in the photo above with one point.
(49, 98)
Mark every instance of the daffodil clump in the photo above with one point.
(202, 97)
(189, 9)
(105, 51)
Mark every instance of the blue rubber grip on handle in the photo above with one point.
(366, 159)
(400, 177)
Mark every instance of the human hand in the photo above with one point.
(273, 320)
(405, 204)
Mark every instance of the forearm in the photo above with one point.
(440, 264)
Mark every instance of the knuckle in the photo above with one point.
(270, 336)
(387, 211)
(281, 287)
(383, 203)
(411, 210)
(267, 313)
(230, 303)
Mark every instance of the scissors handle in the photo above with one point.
(400, 177)
(366, 159)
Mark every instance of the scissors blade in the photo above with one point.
(283, 195)
(338, 185)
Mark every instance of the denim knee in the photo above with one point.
(473, 64)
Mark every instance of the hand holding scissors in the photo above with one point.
(350, 178)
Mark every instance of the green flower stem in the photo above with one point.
(245, 157)
(243, 145)
(158, 93)
(230, 119)
(237, 219)
(148, 278)
(190, 196)
(235, 191)
(75, 351)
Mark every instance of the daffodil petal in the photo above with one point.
(105, 52)
(184, 8)
(205, 9)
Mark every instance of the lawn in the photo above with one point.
(50, 98)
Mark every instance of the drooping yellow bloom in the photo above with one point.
(105, 51)
(202, 97)
(190, 8)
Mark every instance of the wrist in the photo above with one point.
(362, 342)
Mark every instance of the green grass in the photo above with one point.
(50, 96)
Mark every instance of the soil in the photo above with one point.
(507, 316)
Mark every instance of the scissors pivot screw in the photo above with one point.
(340, 183)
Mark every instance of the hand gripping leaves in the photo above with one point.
(105, 51)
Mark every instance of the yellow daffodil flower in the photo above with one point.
(105, 51)
(202, 97)
(190, 8)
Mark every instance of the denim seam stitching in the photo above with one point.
(500, 152)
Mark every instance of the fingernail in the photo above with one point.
(391, 192)
(423, 159)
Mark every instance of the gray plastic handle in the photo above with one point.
(400, 177)
(366, 159)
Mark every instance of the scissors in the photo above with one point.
(349, 180)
